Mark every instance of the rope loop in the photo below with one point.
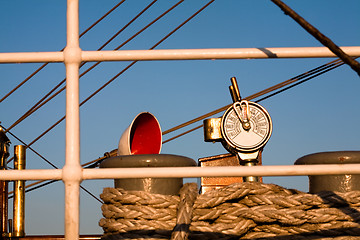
(238, 211)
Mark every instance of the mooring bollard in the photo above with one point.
(340, 183)
(166, 186)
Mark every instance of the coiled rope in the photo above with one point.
(238, 211)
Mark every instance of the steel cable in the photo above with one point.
(32, 109)
(317, 71)
(310, 74)
(327, 42)
(298, 83)
(54, 166)
(47, 182)
(45, 99)
(28, 146)
(117, 75)
(111, 80)
(42, 102)
(314, 73)
(277, 86)
(45, 64)
(121, 72)
(52, 181)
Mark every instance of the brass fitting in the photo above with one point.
(19, 194)
(212, 130)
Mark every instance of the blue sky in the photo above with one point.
(320, 115)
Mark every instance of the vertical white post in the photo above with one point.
(72, 170)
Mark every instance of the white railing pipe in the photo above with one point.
(31, 57)
(181, 54)
(72, 170)
(31, 174)
(190, 172)
(106, 173)
(199, 54)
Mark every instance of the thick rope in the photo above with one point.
(238, 211)
(188, 195)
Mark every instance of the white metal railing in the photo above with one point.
(72, 173)
(181, 54)
(186, 172)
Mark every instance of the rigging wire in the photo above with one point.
(53, 181)
(126, 68)
(298, 83)
(294, 81)
(54, 166)
(112, 79)
(319, 36)
(85, 165)
(28, 146)
(182, 134)
(317, 71)
(265, 91)
(42, 102)
(47, 182)
(45, 64)
(44, 99)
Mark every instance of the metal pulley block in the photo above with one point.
(244, 129)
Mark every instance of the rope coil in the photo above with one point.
(238, 211)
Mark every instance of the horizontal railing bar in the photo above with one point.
(31, 174)
(189, 172)
(203, 54)
(186, 172)
(31, 57)
(180, 54)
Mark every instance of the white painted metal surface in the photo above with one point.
(72, 173)
(228, 53)
(279, 170)
(31, 57)
(166, 172)
(181, 54)
(72, 169)
(30, 174)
